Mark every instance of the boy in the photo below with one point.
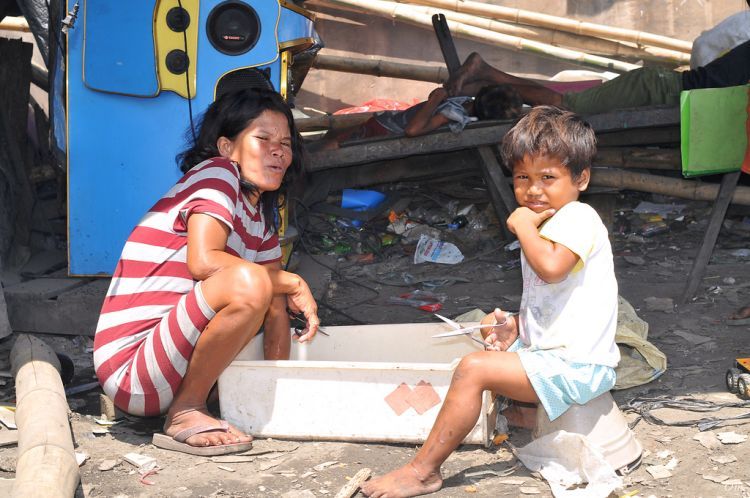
(561, 348)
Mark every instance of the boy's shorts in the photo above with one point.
(559, 383)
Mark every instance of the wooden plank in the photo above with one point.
(43, 288)
(502, 197)
(5, 328)
(726, 191)
(660, 135)
(476, 135)
(354, 484)
(73, 312)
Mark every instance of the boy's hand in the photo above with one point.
(502, 330)
(524, 216)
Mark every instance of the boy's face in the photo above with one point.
(542, 182)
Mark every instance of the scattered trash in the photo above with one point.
(635, 260)
(658, 471)
(717, 479)
(225, 468)
(708, 440)
(106, 465)
(731, 437)
(271, 464)
(324, 465)
(81, 457)
(663, 210)
(423, 300)
(722, 459)
(232, 459)
(470, 489)
(653, 228)
(513, 246)
(665, 304)
(693, 338)
(741, 253)
(527, 490)
(566, 459)
(643, 406)
(139, 461)
(436, 251)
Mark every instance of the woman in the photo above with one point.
(201, 273)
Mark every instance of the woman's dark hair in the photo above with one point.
(497, 102)
(549, 131)
(227, 117)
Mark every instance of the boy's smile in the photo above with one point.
(542, 182)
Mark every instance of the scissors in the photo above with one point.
(299, 323)
(468, 331)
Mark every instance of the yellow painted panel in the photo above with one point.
(167, 40)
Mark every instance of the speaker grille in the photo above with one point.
(244, 78)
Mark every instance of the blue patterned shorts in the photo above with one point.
(559, 383)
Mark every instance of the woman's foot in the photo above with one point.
(402, 483)
(179, 420)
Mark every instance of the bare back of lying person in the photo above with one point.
(454, 108)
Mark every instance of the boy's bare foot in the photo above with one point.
(181, 419)
(521, 415)
(402, 483)
(467, 72)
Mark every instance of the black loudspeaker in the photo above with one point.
(244, 78)
(233, 27)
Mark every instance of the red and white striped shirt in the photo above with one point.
(152, 275)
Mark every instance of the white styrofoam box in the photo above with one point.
(334, 388)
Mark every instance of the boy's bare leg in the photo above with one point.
(242, 296)
(475, 73)
(500, 372)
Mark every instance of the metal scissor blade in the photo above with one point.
(460, 331)
(450, 322)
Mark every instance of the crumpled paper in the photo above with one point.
(566, 459)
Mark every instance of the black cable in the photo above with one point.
(187, 77)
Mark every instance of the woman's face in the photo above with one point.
(263, 151)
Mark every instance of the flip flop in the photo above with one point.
(177, 442)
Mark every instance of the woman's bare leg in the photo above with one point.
(241, 295)
(500, 372)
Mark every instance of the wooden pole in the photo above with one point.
(331, 122)
(354, 484)
(676, 187)
(379, 67)
(46, 464)
(559, 38)
(402, 12)
(561, 23)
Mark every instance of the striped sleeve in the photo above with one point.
(210, 188)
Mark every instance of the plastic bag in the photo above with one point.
(436, 251)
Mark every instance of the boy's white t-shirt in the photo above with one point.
(578, 316)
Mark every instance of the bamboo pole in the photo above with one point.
(379, 67)
(331, 122)
(676, 187)
(15, 24)
(560, 38)
(554, 22)
(46, 465)
(402, 12)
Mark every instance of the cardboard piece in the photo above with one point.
(713, 132)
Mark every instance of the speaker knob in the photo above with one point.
(178, 19)
(177, 61)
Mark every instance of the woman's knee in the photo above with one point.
(247, 286)
(471, 367)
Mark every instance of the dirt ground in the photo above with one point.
(698, 339)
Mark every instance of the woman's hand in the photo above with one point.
(502, 330)
(302, 301)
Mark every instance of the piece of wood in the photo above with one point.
(638, 157)
(46, 464)
(331, 122)
(71, 310)
(726, 192)
(379, 67)
(676, 187)
(8, 438)
(501, 195)
(404, 13)
(350, 488)
(478, 134)
(561, 23)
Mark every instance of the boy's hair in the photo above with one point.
(498, 102)
(549, 131)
